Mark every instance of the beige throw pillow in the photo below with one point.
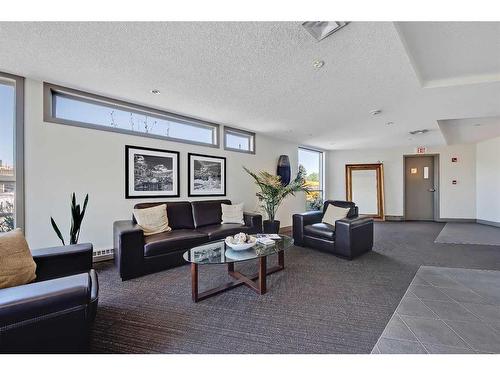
(152, 220)
(232, 213)
(17, 266)
(334, 213)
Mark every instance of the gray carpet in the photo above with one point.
(469, 233)
(446, 311)
(318, 304)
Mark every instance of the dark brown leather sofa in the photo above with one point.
(349, 238)
(54, 313)
(192, 223)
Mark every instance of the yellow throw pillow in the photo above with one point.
(152, 220)
(17, 266)
(334, 213)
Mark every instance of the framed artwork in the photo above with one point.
(206, 175)
(151, 173)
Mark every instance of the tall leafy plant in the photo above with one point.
(272, 193)
(77, 215)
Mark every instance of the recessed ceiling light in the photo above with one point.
(376, 112)
(318, 64)
(155, 92)
(389, 123)
(321, 29)
(420, 131)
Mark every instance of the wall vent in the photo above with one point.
(102, 255)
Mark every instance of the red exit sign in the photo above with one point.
(421, 150)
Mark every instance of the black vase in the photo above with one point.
(271, 226)
(284, 169)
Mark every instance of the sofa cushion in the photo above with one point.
(334, 213)
(321, 230)
(166, 242)
(180, 215)
(344, 204)
(219, 231)
(17, 266)
(208, 212)
(152, 220)
(232, 213)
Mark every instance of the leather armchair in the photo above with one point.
(53, 314)
(349, 238)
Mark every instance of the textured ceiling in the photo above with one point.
(253, 75)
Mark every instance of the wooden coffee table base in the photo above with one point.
(256, 282)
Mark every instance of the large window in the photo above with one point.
(72, 107)
(11, 152)
(312, 161)
(239, 140)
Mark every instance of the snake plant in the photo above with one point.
(76, 221)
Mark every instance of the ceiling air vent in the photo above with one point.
(321, 29)
(421, 131)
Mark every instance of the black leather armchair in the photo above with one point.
(53, 314)
(349, 238)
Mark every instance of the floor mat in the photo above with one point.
(469, 233)
(446, 311)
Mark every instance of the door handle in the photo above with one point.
(432, 190)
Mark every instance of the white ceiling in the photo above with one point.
(471, 129)
(452, 53)
(259, 75)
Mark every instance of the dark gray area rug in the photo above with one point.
(318, 304)
(446, 311)
(469, 233)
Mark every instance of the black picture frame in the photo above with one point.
(153, 152)
(191, 192)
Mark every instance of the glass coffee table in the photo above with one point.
(218, 252)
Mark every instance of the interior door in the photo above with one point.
(419, 188)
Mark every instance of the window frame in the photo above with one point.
(49, 110)
(18, 146)
(241, 133)
(321, 169)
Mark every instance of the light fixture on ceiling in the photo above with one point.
(318, 64)
(390, 123)
(375, 112)
(420, 131)
(321, 29)
(155, 92)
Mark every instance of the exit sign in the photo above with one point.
(421, 150)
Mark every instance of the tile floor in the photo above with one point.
(446, 311)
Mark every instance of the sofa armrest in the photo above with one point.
(128, 241)
(52, 262)
(253, 220)
(31, 303)
(353, 236)
(301, 220)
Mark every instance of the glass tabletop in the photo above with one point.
(218, 252)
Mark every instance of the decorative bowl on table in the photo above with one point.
(240, 241)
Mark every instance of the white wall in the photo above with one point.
(456, 201)
(488, 180)
(61, 159)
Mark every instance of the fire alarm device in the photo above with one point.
(454, 182)
(454, 160)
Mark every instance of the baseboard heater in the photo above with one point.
(102, 255)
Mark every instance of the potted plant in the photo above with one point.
(273, 192)
(77, 215)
